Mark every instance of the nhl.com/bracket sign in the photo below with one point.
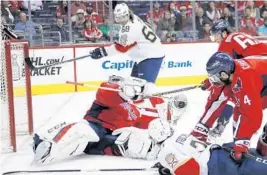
(128, 64)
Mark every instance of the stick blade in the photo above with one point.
(29, 63)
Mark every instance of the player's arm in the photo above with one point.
(125, 42)
(250, 110)
(249, 116)
(214, 107)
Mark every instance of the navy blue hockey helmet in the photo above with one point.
(220, 26)
(219, 62)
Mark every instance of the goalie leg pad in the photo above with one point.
(69, 141)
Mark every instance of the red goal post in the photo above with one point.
(16, 98)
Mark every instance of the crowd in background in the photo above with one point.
(171, 20)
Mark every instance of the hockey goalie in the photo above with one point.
(118, 123)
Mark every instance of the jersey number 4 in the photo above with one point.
(149, 35)
(244, 43)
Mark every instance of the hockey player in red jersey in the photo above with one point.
(118, 123)
(237, 45)
(245, 82)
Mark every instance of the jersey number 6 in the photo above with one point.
(244, 43)
(149, 35)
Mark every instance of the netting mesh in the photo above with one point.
(19, 94)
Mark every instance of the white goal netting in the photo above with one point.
(15, 94)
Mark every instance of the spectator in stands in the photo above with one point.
(76, 6)
(6, 13)
(200, 19)
(260, 22)
(166, 24)
(226, 15)
(183, 22)
(59, 28)
(92, 15)
(255, 12)
(174, 12)
(249, 28)
(62, 9)
(79, 18)
(24, 25)
(35, 5)
(247, 16)
(263, 8)
(212, 13)
(15, 7)
(109, 30)
(157, 13)
(262, 30)
(91, 32)
(205, 33)
(170, 37)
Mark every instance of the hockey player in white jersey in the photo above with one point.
(138, 41)
(185, 155)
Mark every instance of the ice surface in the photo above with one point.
(52, 109)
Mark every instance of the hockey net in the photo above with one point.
(16, 102)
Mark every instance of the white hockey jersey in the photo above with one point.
(138, 41)
(179, 149)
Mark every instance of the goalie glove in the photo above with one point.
(177, 106)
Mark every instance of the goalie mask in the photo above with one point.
(177, 106)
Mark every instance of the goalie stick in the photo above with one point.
(160, 94)
(32, 67)
(92, 86)
(79, 170)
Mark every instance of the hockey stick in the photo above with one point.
(32, 67)
(175, 91)
(92, 86)
(160, 94)
(80, 170)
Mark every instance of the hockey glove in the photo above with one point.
(205, 85)
(200, 132)
(98, 53)
(239, 150)
(162, 170)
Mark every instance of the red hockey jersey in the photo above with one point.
(112, 112)
(249, 82)
(240, 45)
(236, 45)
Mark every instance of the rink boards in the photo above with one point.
(184, 64)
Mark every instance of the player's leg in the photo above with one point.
(68, 140)
(222, 121)
(147, 69)
(105, 146)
